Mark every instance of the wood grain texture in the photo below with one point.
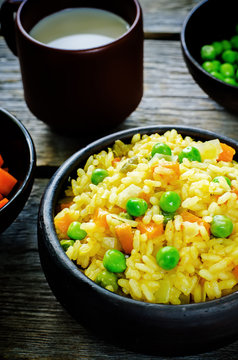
(33, 325)
(170, 97)
(165, 17)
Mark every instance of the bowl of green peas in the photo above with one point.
(209, 41)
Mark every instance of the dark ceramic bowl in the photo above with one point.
(209, 21)
(139, 326)
(18, 152)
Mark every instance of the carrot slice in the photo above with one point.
(144, 196)
(62, 224)
(227, 153)
(187, 216)
(235, 271)
(125, 236)
(7, 182)
(174, 172)
(1, 160)
(100, 217)
(3, 202)
(115, 160)
(152, 229)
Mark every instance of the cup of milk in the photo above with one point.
(81, 60)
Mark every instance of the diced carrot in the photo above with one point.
(1, 160)
(227, 153)
(144, 196)
(152, 229)
(65, 205)
(100, 217)
(125, 236)
(173, 173)
(187, 216)
(235, 271)
(115, 161)
(3, 202)
(7, 182)
(62, 224)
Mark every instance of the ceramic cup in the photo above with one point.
(75, 90)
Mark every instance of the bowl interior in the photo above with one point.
(211, 20)
(16, 149)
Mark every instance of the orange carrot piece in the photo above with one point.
(62, 225)
(3, 202)
(227, 153)
(144, 196)
(66, 205)
(187, 216)
(1, 160)
(125, 236)
(235, 271)
(7, 182)
(173, 166)
(152, 229)
(100, 217)
(115, 161)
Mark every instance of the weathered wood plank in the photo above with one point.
(163, 17)
(170, 97)
(33, 325)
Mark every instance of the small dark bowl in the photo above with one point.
(18, 152)
(209, 21)
(140, 326)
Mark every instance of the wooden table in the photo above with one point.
(33, 325)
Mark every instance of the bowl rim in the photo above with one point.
(185, 48)
(46, 211)
(32, 155)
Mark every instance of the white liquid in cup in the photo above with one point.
(79, 28)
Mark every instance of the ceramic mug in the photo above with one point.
(73, 90)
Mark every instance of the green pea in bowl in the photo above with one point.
(209, 41)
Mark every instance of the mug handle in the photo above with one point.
(7, 20)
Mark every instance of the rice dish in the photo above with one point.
(182, 247)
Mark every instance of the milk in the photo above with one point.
(79, 28)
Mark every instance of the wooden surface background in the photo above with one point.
(33, 325)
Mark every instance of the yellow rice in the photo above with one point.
(205, 269)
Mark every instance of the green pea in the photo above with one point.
(208, 66)
(217, 179)
(114, 261)
(229, 56)
(218, 47)
(66, 244)
(227, 70)
(106, 278)
(221, 226)
(168, 216)
(75, 232)
(234, 41)
(170, 201)
(136, 207)
(191, 153)
(167, 257)
(98, 176)
(208, 52)
(230, 81)
(161, 148)
(226, 45)
(217, 75)
(216, 65)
